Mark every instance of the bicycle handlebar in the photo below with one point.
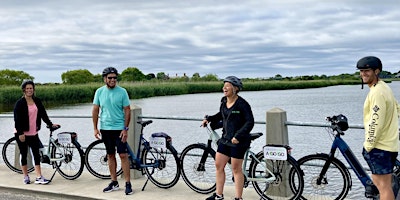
(338, 123)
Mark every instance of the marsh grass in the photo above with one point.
(58, 95)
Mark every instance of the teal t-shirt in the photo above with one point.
(112, 102)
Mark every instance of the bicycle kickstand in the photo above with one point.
(51, 179)
(145, 184)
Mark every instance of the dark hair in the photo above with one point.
(109, 70)
(235, 81)
(27, 82)
(369, 62)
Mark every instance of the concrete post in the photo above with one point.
(277, 132)
(134, 135)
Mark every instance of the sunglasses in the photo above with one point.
(112, 77)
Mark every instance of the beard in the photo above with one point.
(111, 86)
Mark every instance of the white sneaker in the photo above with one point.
(41, 180)
(27, 180)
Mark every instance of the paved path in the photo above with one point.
(90, 187)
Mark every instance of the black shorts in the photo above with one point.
(233, 150)
(380, 161)
(112, 140)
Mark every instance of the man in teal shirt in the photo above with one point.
(112, 103)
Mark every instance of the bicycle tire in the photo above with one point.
(289, 181)
(96, 160)
(200, 177)
(168, 173)
(10, 149)
(337, 177)
(71, 167)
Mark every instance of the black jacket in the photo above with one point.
(21, 116)
(237, 123)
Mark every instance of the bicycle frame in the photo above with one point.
(48, 151)
(214, 137)
(355, 165)
(136, 159)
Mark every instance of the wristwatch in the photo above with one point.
(126, 128)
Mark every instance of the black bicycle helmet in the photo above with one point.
(109, 70)
(26, 82)
(235, 81)
(369, 62)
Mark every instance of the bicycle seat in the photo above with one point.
(53, 128)
(254, 136)
(145, 123)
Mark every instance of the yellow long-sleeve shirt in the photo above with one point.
(381, 119)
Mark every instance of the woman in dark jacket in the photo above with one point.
(237, 122)
(28, 113)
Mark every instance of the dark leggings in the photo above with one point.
(30, 141)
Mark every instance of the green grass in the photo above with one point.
(57, 95)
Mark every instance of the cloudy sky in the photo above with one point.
(260, 38)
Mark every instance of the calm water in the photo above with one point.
(306, 105)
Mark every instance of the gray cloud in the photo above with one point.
(243, 38)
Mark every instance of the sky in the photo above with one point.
(248, 39)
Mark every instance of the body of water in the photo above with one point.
(305, 105)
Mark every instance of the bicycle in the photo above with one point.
(270, 177)
(322, 170)
(62, 153)
(154, 160)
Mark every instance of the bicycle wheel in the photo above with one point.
(71, 167)
(167, 173)
(97, 162)
(336, 183)
(289, 181)
(199, 176)
(9, 151)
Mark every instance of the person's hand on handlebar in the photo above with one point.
(204, 122)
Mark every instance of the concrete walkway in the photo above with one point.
(89, 187)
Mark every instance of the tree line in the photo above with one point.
(133, 74)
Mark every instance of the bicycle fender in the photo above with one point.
(172, 148)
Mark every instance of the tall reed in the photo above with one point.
(56, 95)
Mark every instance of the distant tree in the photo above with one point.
(150, 76)
(209, 77)
(13, 77)
(162, 76)
(98, 78)
(132, 74)
(195, 77)
(77, 76)
(278, 77)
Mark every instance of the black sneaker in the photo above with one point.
(128, 188)
(238, 198)
(113, 186)
(215, 196)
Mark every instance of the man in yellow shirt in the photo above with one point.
(381, 111)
